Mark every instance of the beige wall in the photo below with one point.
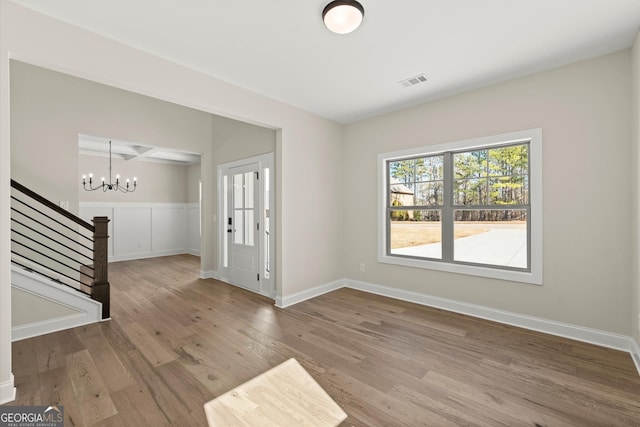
(49, 110)
(635, 167)
(583, 110)
(157, 182)
(236, 140)
(40, 309)
(193, 183)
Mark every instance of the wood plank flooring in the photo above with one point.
(176, 341)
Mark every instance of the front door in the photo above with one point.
(243, 225)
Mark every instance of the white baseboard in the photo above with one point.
(635, 353)
(578, 333)
(7, 390)
(287, 301)
(35, 329)
(209, 274)
(85, 310)
(145, 255)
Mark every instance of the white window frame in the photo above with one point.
(534, 138)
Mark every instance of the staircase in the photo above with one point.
(59, 266)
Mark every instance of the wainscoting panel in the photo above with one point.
(146, 230)
(168, 230)
(132, 231)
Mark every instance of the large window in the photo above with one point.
(472, 207)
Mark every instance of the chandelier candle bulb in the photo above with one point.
(110, 185)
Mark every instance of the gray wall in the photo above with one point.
(583, 110)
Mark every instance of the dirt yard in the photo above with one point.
(405, 234)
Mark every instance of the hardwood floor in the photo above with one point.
(176, 341)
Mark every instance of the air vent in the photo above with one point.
(412, 81)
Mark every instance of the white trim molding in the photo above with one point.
(286, 301)
(635, 353)
(578, 333)
(86, 310)
(209, 274)
(534, 275)
(565, 330)
(7, 390)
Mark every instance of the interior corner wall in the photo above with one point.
(583, 110)
(635, 167)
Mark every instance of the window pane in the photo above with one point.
(512, 160)
(509, 190)
(494, 237)
(429, 193)
(429, 168)
(400, 194)
(470, 192)
(403, 170)
(472, 164)
(418, 233)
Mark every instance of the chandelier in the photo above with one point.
(127, 188)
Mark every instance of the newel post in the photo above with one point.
(100, 285)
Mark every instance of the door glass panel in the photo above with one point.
(238, 228)
(248, 190)
(249, 230)
(225, 203)
(266, 225)
(238, 192)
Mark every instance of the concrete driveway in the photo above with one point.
(504, 246)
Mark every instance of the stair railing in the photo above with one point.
(52, 242)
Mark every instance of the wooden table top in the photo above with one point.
(284, 395)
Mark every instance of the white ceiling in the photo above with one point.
(98, 146)
(281, 49)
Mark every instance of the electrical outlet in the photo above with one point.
(362, 267)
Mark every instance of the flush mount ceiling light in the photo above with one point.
(343, 17)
